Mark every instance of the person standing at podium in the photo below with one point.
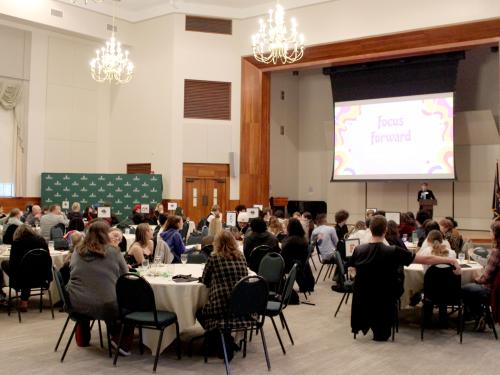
(425, 193)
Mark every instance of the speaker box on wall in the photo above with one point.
(232, 164)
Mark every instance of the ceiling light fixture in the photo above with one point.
(274, 43)
(111, 62)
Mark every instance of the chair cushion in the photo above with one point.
(165, 318)
(273, 308)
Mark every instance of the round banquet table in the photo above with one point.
(57, 262)
(183, 298)
(414, 279)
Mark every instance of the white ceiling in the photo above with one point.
(139, 10)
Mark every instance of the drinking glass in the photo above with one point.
(184, 258)
(51, 245)
(405, 237)
(461, 257)
(145, 264)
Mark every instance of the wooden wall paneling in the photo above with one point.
(255, 136)
(419, 42)
(18, 202)
(141, 168)
(207, 99)
(255, 84)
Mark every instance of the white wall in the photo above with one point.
(476, 138)
(284, 158)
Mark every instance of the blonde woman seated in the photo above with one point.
(142, 248)
(214, 228)
(275, 226)
(435, 245)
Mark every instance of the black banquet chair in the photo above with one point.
(256, 256)
(61, 288)
(248, 302)
(272, 269)
(442, 288)
(344, 286)
(35, 272)
(275, 308)
(137, 305)
(197, 258)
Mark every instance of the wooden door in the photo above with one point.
(216, 193)
(193, 197)
(203, 186)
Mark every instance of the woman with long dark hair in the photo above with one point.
(142, 248)
(96, 265)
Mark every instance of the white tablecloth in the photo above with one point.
(57, 262)
(182, 298)
(414, 279)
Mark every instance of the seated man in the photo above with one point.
(326, 237)
(378, 283)
(48, 221)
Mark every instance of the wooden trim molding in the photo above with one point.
(255, 136)
(18, 202)
(255, 84)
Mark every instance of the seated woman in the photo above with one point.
(275, 226)
(214, 228)
(436, 246)
(429, 226)
(13, 218)
(341, 217)
(408, 224)
(480, 291)
(294, 249)
(392, 235)
(223, 270)
(451, 234)
(259, 236)
(173, 238)
(24, 240)
(142, 248)
(96, 265)
(75, 212)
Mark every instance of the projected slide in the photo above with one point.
(395, 138)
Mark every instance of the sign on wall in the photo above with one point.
(120, 191)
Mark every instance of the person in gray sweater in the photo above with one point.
(95, 266)
(326, 236)
(54, 217)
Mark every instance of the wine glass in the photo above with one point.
(184, 258)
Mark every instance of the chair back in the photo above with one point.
(481, 252)
(249, 296)
(35, 270)
(442, 286)
(207, 250)
(271, 268)
(57, 232)
(134, 294)
(8, 235)
(194, 239)
(197, 258)
(340, 267)
(288, 288)
(256, 256)
(280, 237)
(61, 288)
(184, 231)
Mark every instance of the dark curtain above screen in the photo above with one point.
(420, 75)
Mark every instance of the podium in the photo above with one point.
(428, 205)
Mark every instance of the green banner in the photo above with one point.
(120, 191)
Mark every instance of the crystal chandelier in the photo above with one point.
(111, 62)
(274, 42)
